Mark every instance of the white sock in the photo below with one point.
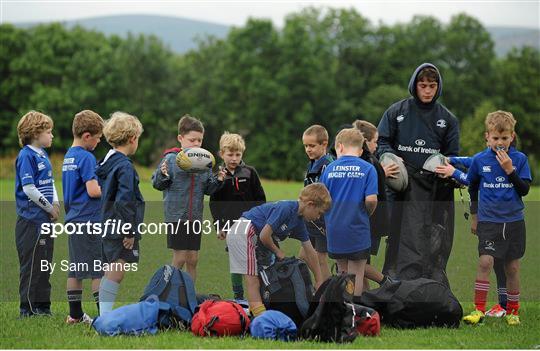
(107, 294)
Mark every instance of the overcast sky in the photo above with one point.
(502, 13)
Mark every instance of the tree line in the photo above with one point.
(325, 66)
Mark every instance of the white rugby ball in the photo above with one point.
(401, 181)
(195, 159)
(433, 161)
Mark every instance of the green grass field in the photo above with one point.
(213, 277)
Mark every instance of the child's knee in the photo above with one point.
(512, 268)
(192, 258)
(322, 257)
(485, 263)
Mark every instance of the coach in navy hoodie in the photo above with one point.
(414, 129)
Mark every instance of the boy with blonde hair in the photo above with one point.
(498, 178)
(253, 239)
(82, 205)
(183, 196)
(352, 183)
(121, 202)
(315, 140)
(36, 203)
(241, 191)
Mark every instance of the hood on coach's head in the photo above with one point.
(413, 80)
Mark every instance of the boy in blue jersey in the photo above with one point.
(37, 203)
(121, 203)
(450, 171)
(315, 140)
(253, 239)
(352, 183)
(82, 205)
(498, 178)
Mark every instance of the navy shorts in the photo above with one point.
(114, 250)
(375, 243)
(84, 249)
(501, 240)
(351, 256)
(184, 236)
(318, 241)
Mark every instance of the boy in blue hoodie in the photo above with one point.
(121, 203)
(183, 197)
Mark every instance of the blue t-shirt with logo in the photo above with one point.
(282, 216)
(349, 180)
(78, 168)
(498, 202)
(33, 167)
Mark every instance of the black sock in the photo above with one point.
(75, 305)
(96, 300)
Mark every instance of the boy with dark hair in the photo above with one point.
(315, 140)
(183, 196)
(37, 203)
(121, 202)
(414, 129)
(498, 179)
(241, 191)
(82, 204)
(352, 183)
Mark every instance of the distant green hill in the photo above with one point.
(506, 38)
(179, 33)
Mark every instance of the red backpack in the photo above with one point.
(219, 318)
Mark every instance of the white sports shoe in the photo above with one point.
(496, 311)
(86, 319)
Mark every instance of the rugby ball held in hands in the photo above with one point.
(401, 181)
(195, 159)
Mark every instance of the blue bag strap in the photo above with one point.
(160, 287)
(299, 291)
(183, 313)
(190, 291)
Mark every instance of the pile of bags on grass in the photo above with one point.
(294, 311)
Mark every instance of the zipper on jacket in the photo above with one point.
(191, 189)
(504, 231)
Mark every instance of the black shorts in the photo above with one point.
(375, 243)
(84, 249)
(501, 240)
(182, 236)
(114, 250)
(318, 241)
(351, 256)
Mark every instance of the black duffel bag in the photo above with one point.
(415, 304)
